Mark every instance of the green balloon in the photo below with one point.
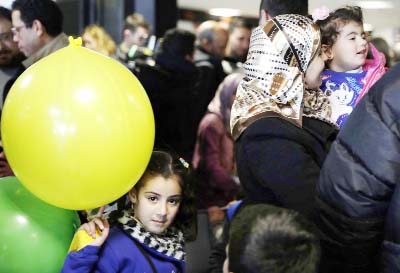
(34, 236)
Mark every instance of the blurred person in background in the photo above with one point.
(211, 42)
(213, 158)
(238, 46)
(170, 85)
(96, 38)
(135, 34)
(382, 46)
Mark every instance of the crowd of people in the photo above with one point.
(286, 132)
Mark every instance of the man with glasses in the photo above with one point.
(37, 29)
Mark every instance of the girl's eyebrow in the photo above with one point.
(157, 194)
(151, 192)
(353, 33)
(175, 196)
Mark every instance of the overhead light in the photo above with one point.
(224, 12)
(375, 4)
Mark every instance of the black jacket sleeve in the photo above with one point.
(358, 179)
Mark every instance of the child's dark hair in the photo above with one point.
(330, 27)
(164, 164)
(265, 238)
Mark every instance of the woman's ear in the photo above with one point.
(327, 51)
(132, 196)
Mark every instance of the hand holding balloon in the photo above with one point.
(98, 229)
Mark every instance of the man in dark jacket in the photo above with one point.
(211, 41)
(358, 192)
(171, 85)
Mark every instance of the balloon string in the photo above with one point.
(75, 42)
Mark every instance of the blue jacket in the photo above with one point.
(120, 254)
(358, 195)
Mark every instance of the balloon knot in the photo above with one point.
(75, 42)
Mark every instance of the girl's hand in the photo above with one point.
(98, 228)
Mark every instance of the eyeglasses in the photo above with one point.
(6, 36)
(17, 30)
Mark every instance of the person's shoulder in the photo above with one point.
(213, 121)
(118, 252)
(117, 238)
(386, 88)
(116, 233)
(119, 243)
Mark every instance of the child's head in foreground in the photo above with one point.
(265, 238)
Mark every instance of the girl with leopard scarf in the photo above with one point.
(148, 234)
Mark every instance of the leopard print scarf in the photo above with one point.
(171, 243)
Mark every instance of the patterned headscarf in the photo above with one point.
(278, 57)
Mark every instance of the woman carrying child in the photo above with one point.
(280, 120)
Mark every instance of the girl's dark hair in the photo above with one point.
(330, 27)
(165, 164)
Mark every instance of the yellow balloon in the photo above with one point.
(77, 129)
